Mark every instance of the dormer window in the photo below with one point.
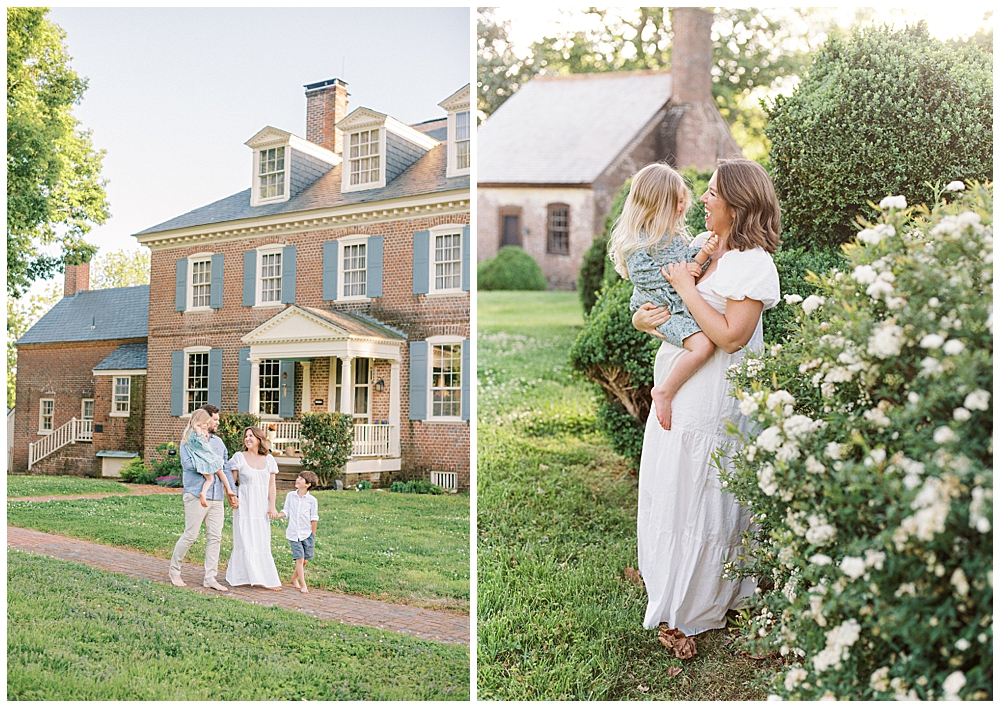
(284, 165)
(363, 160)
(272, 173)
(459, 132)
(377, 149)
(463, 142)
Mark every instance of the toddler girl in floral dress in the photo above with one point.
(206, 462)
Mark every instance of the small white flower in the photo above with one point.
(931, 341)
(869, 236)
(765, 480)
(770, 439)
(962, 644)
(953, 347)
(874, 558)
(952, 685)
(852, 567)
(913, 398)
(886, 341)
(968, 218)
(960, 582)
(933, 302)
(821, 559)
(930, 366)
(794, 677)
(812, 303)
(814, 466)
(748, 406)
(943, 435)
(978, 400)
(961, 414)
(865, 274)
(956, 186)
(880, 679)
(792, 298)
(897, 202)
(833, 450)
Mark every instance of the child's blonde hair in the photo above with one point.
(198, 417)
(654, 210)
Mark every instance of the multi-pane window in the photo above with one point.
(46, 408)
(364, 156)
(446, 380)
(269, 386)
(355, 270)
(558, 241)
(87, 409)
(270, 277)
(272, 173)
(362, 386)
(121, 398)
(197, 381)
(448, 262)
(201, 283)
(463, 144)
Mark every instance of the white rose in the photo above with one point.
(852, 567)
(887, 340)
(821, 559)
(978, 400)
(792, 298)
(770, 439)
(956, 186)
(748, 406)
(812, 303)
(897, 202)
(961, 414)
(931, 341)
(953, 347)
(943, 435)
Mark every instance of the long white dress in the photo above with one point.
(687, 525)
(251, 562)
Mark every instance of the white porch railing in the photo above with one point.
(73, 431)
(370, 439)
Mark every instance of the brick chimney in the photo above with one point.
(77, 279)
(691, 55)
(326, 104)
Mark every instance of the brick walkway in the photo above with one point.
(448, 627)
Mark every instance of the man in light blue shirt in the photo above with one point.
(213, 516)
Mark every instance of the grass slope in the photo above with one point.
(77, 633)
(39, 486)
(556, 526)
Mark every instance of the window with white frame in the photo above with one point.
(354, 269)
(272, 173)
(46, 412)
(196, 381)
(363, 156)
(269, 280)
(362, 387)
(338, 366)
(269, 384)
(463, 142)
(446, 380)
(87, 409)
(121, 396)
(201, 282)
(558, 229)
(446, 259)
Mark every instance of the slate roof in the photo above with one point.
(568, 129)
(94, 315)
(356, 323)
(127, 356)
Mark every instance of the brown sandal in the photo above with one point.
(682, 645)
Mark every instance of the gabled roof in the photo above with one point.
(568, 129)
(124, 358)
(94, 315)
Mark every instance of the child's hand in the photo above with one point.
(694, 269)
(711, 244)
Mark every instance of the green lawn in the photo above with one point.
(77, 633)
(556, 523)
(411, 548)
(42, 486)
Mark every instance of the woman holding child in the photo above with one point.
(688, 526)
(251, 562)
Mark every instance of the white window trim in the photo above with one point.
(192, 259)
(259, 277)
(453, 169)
(187, 356)
(345, 182)
(431, 341)
(268, 416)
(123, 414)
(366, 417)
(83, 408)
(41, 408)
(256, 199)
(442, 230)
(341, 244)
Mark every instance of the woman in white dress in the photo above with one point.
(251, 562)
(688, 526)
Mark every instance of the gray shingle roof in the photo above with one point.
(568, 129)
(356, 323)
(93, 315)
(127, 356)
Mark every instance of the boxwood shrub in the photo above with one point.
(511, 269)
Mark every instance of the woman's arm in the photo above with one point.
(272, 492)
(731, 330)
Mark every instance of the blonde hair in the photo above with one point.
(748, 191)
(198, 417)
(653, 212)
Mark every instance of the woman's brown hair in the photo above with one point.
(747, 190)
(263, 445)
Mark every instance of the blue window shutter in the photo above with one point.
(418, 380)
(331, 250)
(421, 262)
(466, 378)
(286, 401)
(466, 269)
(288, 274)
(177, 383)
(181, 293)
(243, 385)
(249, 278)
(215, 377)
(215, 299)
(374, 275)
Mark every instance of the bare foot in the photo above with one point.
(663, 408)
(204, 502)
(303, 589)
(682, 645)
(295, 582)
(277, 589)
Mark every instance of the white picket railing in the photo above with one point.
(73, 431)
(370, 439)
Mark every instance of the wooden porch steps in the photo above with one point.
(284, 481)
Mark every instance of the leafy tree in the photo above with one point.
(55, 192)
(499, 72)
(120, 269)
(21, 315)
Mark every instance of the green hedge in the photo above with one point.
(511, 269)
(327, 441)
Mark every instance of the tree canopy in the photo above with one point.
(55, 192)
(120, 269)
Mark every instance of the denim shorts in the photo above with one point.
(306, 548)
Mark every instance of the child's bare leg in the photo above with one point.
(699, 350)
(204, 490)
(225, 482)
(300, 569)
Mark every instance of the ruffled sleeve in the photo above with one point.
(748, 274)
(271, 465)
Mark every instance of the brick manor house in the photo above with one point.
(337, 281)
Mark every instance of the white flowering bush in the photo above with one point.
(869, 471)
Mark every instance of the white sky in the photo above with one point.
(175, 92)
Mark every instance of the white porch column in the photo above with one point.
(394, 410)
(346, 385)
(306, 390)
(255, 386)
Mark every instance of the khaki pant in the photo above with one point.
(195, 514)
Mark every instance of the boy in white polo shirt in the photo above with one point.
(301, 510)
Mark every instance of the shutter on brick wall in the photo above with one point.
(286, 401)
(418, 380)
(421, 261)
(243, 384)
(177, 383)
(331, 249)
(466, 263)
(466, 378)
(181, 291)
(249, 278)
(215, 377)
(215, 299)
(374, 275)
(288, 274)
